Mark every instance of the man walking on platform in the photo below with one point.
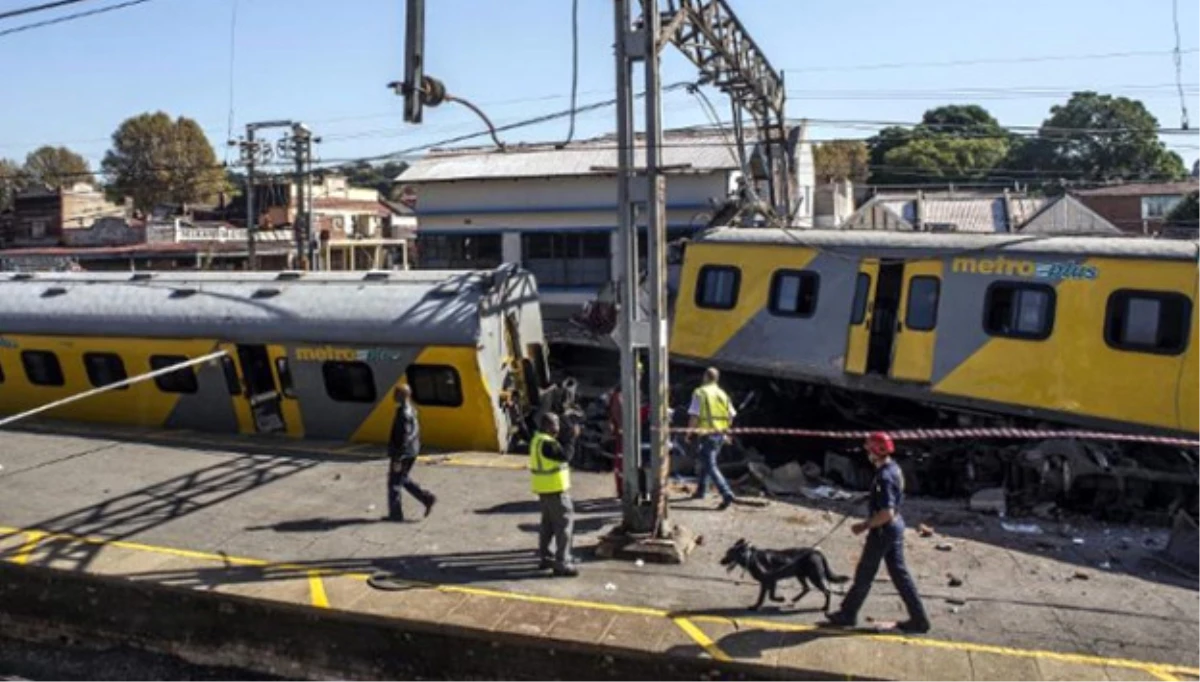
(551, 482)
(885, 542)
(712, 411)
(404, 445)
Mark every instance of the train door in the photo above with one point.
(266, 404)
(859, 336)
(884, 318)
(916, 326)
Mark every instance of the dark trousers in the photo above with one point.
(710, 448)
(398, 471)
(884, 544)
(558, 524)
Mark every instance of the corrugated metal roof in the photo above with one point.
(1068, 215)
(338, 308)
(1023, 208)
(1140, 189)
(966, 215)
(1117, 246)
(700, 153)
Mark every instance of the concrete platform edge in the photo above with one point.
(44, 604)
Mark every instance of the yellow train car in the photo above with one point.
(313, 355)
(1093, 332)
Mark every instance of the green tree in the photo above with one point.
(379, 178)
(841, 160)
(155, 159)
(952, 143)
(12, 179)
(1186, 213)
(1099, 138)
(57, 167)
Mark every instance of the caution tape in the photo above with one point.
(950, 434)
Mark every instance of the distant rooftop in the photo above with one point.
(1140, 189)
(700, 150)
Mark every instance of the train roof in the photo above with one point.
(924, 242)
(352, 308)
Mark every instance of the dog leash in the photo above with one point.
(832, 530)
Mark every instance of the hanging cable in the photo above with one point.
(1178, 56)
(574, 71)
(232, 56)
(70, 17)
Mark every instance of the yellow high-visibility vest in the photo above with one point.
(549, 476)
(714, 408)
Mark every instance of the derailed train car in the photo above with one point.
(1094, 332)
(312, 355)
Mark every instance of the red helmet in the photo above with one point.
(881, 443)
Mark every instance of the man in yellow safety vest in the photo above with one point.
(712, 411)
(551, 476)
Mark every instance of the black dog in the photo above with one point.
(769, 566)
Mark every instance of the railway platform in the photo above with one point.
(258, 553)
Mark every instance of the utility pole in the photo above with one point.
(251, 153)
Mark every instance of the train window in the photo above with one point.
(232, 383)
(717, 287)
(349, 382)
(862, 291)
(435, 385)
(923, 294)
(794, 293)
(1148, 321)
(1019, 311)
(285, 377)
(104, 369)
(42, 368)
(182, 380)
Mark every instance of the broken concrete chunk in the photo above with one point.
(924, 531)
(943, 547)
(989, 500)
(953, 580)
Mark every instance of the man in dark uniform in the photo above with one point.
(885, 542)
(404, 445)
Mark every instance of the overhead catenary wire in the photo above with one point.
(1177, 55)
(70, 17)
(997, 60)
(39, 8)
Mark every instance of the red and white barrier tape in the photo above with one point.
(945, 434)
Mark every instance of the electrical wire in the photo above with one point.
(232, 56)
(574, 70)
(1001, 60)
(70, 17)
(38, 8)
(1178, 56)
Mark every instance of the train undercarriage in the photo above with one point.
(1110, 481)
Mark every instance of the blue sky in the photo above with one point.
(327, 63)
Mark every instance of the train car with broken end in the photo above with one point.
(1094, 332)
(307, 354)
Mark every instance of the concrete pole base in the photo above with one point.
(670, 547)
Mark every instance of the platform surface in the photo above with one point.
(301, 522)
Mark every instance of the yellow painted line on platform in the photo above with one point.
(1085, 659)
(700, 638)
(32, 538)
(1161, 670)
(1162, 675)
(316, 589)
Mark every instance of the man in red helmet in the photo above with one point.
(885, 542)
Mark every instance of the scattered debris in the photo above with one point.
(954, 581)
(849, 471)
(924, 531)
(639, 563)
(953, 609)
(1076, 541)
(1080, 575)
(610, 587)
(1182, 547)
(943, 546)
(989, 500)
(1105, 565)
(1047, 511)
(1023, 528)
(826, 492)
(337, 477)
(956, 601)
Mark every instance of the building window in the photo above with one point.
(1157, 207)
(923, 294)
(349, 382)
(568, 259)
(284, 370)
(1148, 321)
(454, 252)
(862, 292)
(37, 229)
(794, 293)
(717, 287)
(1019, 311)
(42, 368)
(104, 369)
(182, 380)
(437, 385)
